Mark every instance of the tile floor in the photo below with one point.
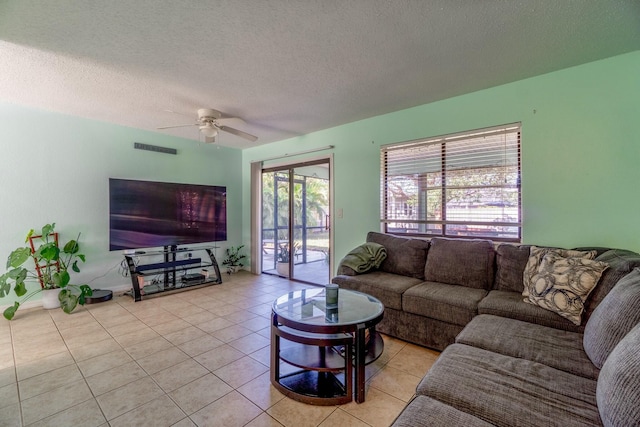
(199, 357)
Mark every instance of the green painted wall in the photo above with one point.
(580, 154)
(55, 168)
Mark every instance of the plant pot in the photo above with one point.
(283, 269)
(231, 269)
(50, 298)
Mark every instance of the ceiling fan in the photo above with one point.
(210, 121)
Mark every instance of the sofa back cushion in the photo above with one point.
(618, 390)
(510, 263)
(512, 259)
(616, 315)
(621, 262)
(405, 256)
(461, 262)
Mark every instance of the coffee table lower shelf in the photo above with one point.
(320, 370)
(315, 387)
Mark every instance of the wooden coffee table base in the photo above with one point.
(319, 368)
(320, 344)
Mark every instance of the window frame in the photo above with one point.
(514, 129)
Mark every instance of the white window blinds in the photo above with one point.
(462, 185)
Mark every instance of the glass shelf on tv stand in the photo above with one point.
(172, 274)
(170, 249)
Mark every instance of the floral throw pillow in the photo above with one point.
(535, 257)
(562, 284)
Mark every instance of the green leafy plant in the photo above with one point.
(234, 258)
(284, 252)
(51, 270)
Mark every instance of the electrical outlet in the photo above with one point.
(339, 213)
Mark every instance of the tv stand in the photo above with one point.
(179, 270)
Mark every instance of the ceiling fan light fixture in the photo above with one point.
(209, 130)
(210, 126)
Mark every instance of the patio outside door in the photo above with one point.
(295, 222)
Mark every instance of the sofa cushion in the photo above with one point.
(618, 313)
(562, 284)
(423, 411)
(552, 347)
(343, 270)
(417, 329)
(461, 262)
(510, 263)
(441, 301)
(508, 391)
(387, 287)
(535, 258)
(511, 305)
(621, 262)
(598, 249)
(405, 256)
(618, 391)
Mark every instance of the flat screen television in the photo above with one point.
(145, 214)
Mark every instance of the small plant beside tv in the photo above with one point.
(234, 258)
(51, 271)
(283, 257)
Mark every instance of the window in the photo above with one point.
(462, 185)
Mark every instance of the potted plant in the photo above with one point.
(234, 258)
(326, 257)
(284, 257)
(51, 270)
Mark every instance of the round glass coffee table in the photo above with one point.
(324, 345)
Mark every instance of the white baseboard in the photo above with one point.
(38, 302)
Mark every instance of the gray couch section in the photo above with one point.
(405, 257)
(507, 391)
(428, 281)
(441, 301)
(613, 319)
(413, 328)
(556, 348)
(510, 304)
(618, 390)
(621, 262)
(443, 263)
(506, 362)
(387, 287)
(440, 415)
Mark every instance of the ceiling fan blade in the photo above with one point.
(175, 112)
(217, 114)
(179, 126)
(239, 133)
(233, 121)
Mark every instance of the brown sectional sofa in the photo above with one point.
(506, 362)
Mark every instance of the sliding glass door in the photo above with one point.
(296, 222)
(275, 222)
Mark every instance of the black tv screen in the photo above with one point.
(144, 214)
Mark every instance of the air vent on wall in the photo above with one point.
(155, 148)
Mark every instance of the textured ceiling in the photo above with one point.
(288, 67)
